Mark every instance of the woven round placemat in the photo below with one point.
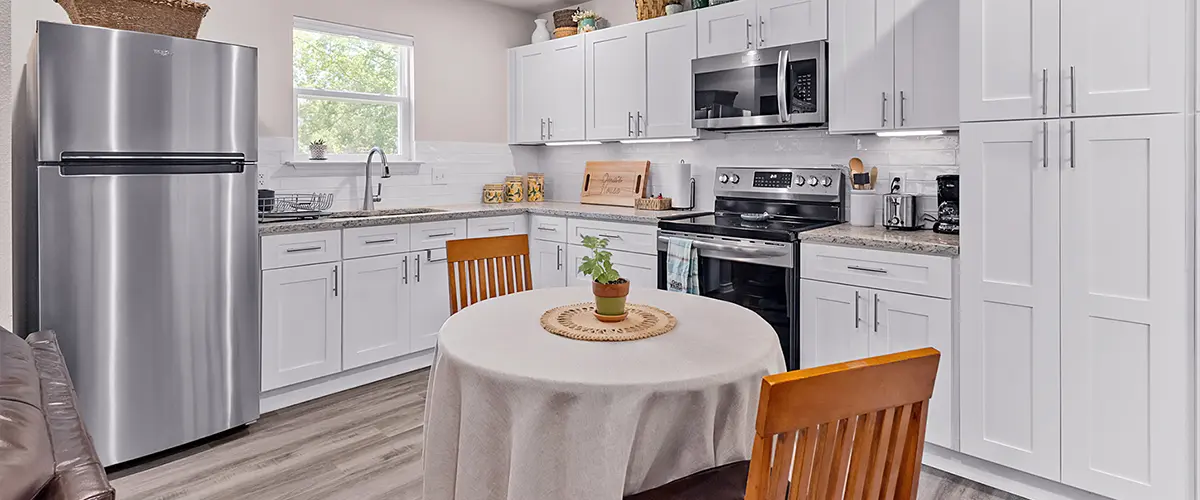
(578, 321)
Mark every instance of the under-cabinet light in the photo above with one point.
(909, 133)
(573, 143)
(654, 141)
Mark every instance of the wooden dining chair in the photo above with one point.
(482, 268)
(849, 431)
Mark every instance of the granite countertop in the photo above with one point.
(880, 238)
(384, 217)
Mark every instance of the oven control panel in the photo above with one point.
(781, 182)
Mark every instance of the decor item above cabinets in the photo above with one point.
(546, 100)
(636, 79)
(893, 65)
(1071, 58)
(755, 24)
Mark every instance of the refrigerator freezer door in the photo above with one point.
(102, 90)
(152, 283)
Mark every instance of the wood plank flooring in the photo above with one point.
(361, 444)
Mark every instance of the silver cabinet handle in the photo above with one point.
(749, 41)
(1072, 90)
(405, 269)
(762, 23)
(548, 228)
(610, 236)
(1045, 90)
(781, 84)
(550, 128)
(902, 100)
(875, 312)
(494, 229)
(543, 129)
(868, 269)
(1072, 143)
(629, 121)
(558, 258)
(639, 124)
(335, 281)
(439, 235)
(418, 259)
(303, 249)
(1045, 145)
(883, 110)
(376, 242)
(857, 320)
(432, 260)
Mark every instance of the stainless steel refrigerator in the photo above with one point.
(135, 238)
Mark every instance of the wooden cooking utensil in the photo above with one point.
(856, 167)
(874, 176)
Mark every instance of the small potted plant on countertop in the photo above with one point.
(317, 149)
(586, 19)
(608, 286)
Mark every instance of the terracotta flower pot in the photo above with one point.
(610, 299)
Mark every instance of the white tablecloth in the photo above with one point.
(514, 412)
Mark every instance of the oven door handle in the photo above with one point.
(747, 251)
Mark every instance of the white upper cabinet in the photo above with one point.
(1009, 295)
(787, 22)
(1121, 57)
(1009, 59)
(861, 61)
(926, 68)
(669, 46)
(727, 28)
(615, 81)
(376, 310)
(1126, 349)
(564, 94)
(529, 69)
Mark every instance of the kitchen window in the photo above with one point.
(353, 89)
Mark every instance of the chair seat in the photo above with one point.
(727, 482)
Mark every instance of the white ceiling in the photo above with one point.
(535, 6)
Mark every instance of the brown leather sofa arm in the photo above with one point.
(26, 460)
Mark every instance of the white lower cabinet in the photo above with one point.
(301, 324)
(549, 263)
(430, 297)
(640, 269)
(843, 323)
(375, 297)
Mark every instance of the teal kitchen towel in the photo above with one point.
(683, 266)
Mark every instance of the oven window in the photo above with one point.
(753, 91)
(762, 289)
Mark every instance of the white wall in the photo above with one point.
(616, 12)
(6, 102)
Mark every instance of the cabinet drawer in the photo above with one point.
(545, 227)
(625, 237)
(288, 250)
(372, 241)
(429, 235)
(497, 226)
(897, 271)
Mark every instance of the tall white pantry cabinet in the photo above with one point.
(1077, 288)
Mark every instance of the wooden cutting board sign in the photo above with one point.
(614, 182)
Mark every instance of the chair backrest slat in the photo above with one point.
(851, 431)
(477, 269)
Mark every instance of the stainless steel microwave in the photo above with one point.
(779, 87)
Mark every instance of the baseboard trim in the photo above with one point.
(1001, 477)
(291, 395)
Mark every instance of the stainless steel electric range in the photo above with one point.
(750, 246)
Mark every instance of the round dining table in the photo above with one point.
(515, 412)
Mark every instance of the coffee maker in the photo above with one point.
(947, 220)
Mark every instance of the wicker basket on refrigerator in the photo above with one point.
(179, 18)
(650, 9)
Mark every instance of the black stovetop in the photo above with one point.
(776, 228)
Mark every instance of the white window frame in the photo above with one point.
(406, 139)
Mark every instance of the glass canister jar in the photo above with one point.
(535, 187)
(493, 194)
(514, 189)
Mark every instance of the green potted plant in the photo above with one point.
(608, 286)
(317, 150)
(586, 20)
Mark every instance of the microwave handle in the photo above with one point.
(781, 83)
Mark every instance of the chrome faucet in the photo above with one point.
(369, 200)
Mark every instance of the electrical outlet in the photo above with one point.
(262, 180)
(439, 175)
(885, 183)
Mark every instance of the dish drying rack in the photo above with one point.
(285, 207)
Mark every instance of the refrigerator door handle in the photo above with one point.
(149, 169)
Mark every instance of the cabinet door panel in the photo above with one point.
(833, 323)
(670, 46)
(301, 325)
(529, 65)
(860, 65)
(1007, 47)
(1009, 334)
(902, 322)
(376, 305)
(564, 78)
(1125, 341)
(927, 64)
(786, 22)
(726, 29)
(615, 81)
(549, 264)
(430, 298)
(641, 270)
